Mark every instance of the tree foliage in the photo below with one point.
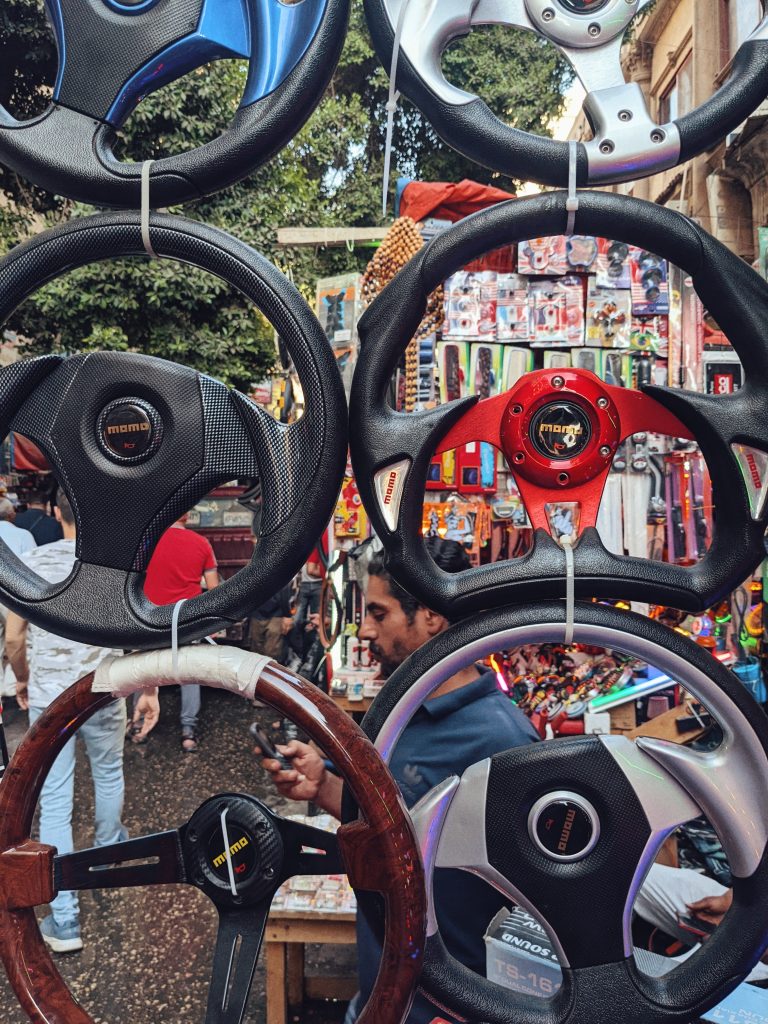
(330, 174)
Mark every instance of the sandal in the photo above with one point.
(188, 741)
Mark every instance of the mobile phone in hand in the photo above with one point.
(698, 928)
(267, 747)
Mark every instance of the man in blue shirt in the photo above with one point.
(466, 720)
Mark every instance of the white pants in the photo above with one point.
(666, 892)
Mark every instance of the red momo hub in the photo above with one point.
(559, 431)
(560, 427)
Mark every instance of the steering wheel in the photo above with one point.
(627, 143)
(391, 451)
(137, 441)
(233, 848)
(113, 52)
(612, 802)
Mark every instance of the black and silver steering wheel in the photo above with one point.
(137, 441)
(627, 142)
(391, 451)
(234, 849)
(114, 52)
(612, 802)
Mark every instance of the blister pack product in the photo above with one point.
(557, 309)
(581, 252)
(650, 334)
(542, 257)
(588, 359)
(516, 362)
(453, 369)
(486, 362)
(608, 316)
(470, 305)
(513, 309)
(650, 284)
(617, 369)
(612, 269)
(556, 359)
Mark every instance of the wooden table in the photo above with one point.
(352, 707)
(286, 933)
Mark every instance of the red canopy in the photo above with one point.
(27, 457)
(448, 201)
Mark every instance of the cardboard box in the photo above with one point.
(519, 954)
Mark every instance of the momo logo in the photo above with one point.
(234, 848)
(389, 487)
(564, 826)
(560, 430)
(570, 818)
(128, 429)
(754, 472)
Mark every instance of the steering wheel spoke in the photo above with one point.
(309, 850)
(148, 860)
(238, 944)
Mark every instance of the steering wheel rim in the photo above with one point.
(28, 868)
(205, 434)
(69, 149)
(627, 144)
(692, 784)
(391, 451)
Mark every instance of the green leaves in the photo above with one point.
(330, 174)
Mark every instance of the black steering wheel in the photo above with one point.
(613, 801)
(234, 849)
(137, 441)
(391, 451)
(113, 52)
(627, 142)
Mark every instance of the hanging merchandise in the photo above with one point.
(111, 55)
(650, 286)
(513, 309)
(349, 518)
(581, 252)
(470, 305)
(542, 256)
(608, 316)
(123, 426)
(613, 266)
(561, 429)
(557, 310)
(400, 244)
(625, 141)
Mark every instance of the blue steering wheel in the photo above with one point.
(112, 53)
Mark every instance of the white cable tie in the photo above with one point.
(572, 203)
(570, 586)
(175, 635)
(209, 640)
(228, 852)
(391, 106)
(145, 208)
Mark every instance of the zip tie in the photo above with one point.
(570, 588)
(572, 203)
(391, 106)
(175, 635)
(145, 209)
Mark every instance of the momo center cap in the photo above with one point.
(564, 826)
(560, 430)
(129, 430)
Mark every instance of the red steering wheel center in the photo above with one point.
(560, 428)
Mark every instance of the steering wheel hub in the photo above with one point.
(243, 865)
(129, 430)
(564, 826)
(559, 428)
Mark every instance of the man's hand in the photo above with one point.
(22, 698)
(148, 709)
(712, 909)
(307, 780)
(286, 626)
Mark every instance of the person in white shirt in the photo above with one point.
(18, 540)
(45, 665)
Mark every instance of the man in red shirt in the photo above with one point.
(181, 560)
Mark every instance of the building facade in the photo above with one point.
(680, 53)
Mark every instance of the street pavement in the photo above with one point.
(148, 951)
